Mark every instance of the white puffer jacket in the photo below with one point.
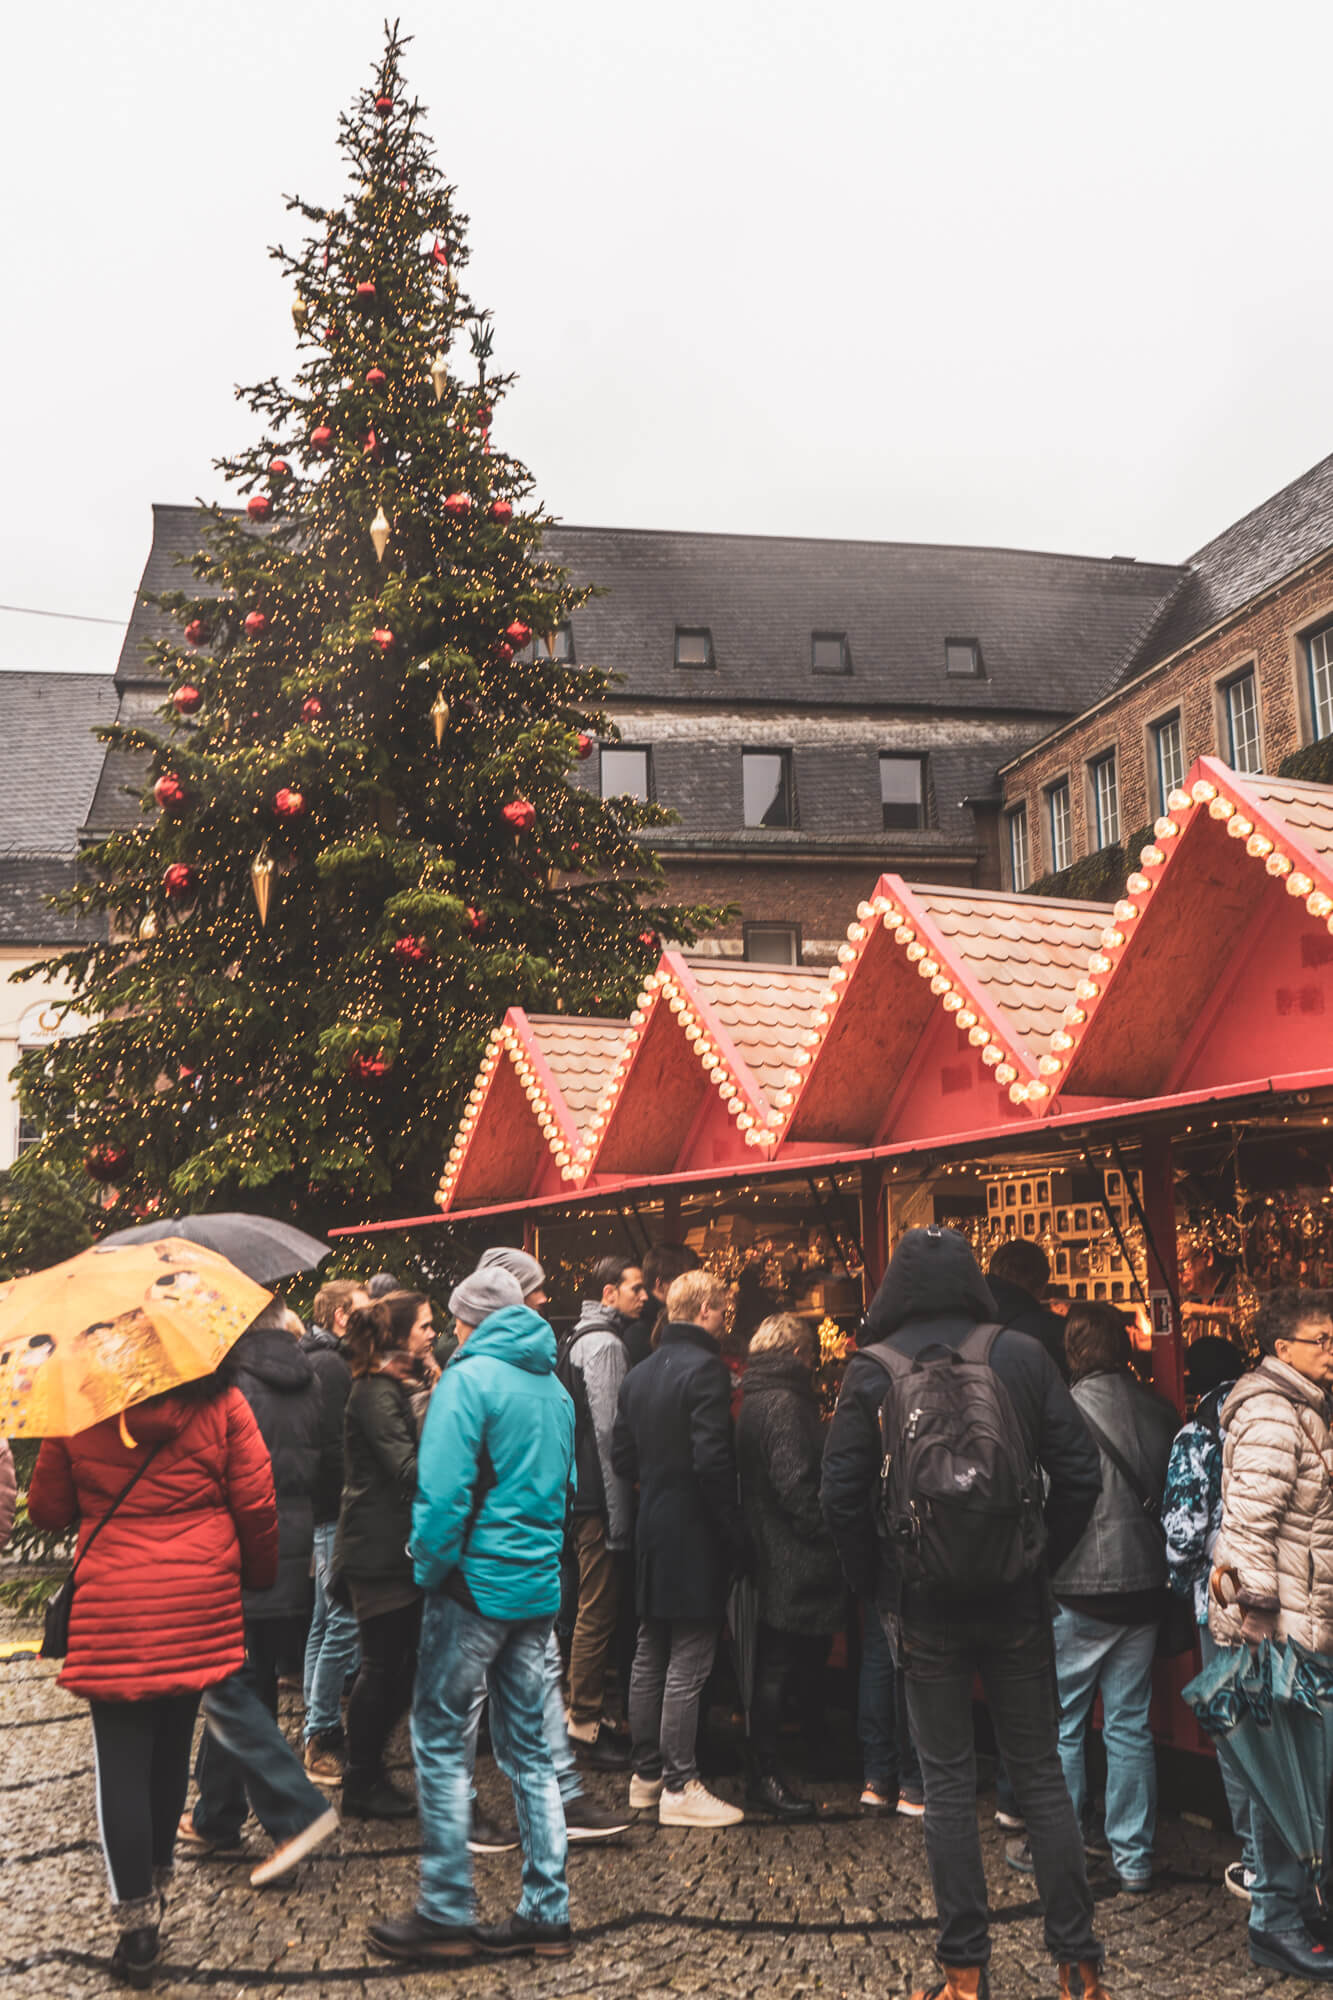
(1277, 1506)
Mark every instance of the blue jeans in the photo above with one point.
(332, 1649)
(888, 1754)
(1092, 1653)
(1233, 1779)
(245, 1762)
(463, 1654)
(553, 1721)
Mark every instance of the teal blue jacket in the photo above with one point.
(495, 1471)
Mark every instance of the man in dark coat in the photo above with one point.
(1017, 1277)
(932, 1296)
(332, 1647)
(673, 1436)
(245, 1761)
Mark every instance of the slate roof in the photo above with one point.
(26, 917)
(766, 1011)
(49, 765)
(1025, 954)
(177, 533)
(580, 1053)
(1249, 557)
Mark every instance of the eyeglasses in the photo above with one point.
(1321, 1340)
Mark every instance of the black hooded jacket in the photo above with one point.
(324, 1351)
(279, 1384)
(934, 1294)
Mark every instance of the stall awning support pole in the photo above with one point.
(873, 1232)
(671, 1215)
(1159, 1215)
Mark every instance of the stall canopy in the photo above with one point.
(949, 1014)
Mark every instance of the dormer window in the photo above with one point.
(962, 658)
(694, 646)
(830, 653)
(557, 645)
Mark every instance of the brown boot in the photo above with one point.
(1089, 1976)
(960, 1982)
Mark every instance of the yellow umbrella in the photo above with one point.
(119, 1323)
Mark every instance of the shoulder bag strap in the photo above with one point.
(123, 1494)
(888, 1358)
(1151, 1506)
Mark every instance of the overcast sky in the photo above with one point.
(1041, 273)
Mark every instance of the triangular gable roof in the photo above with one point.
(540, 1080)
(1206, 906)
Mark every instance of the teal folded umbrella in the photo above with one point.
(1273, 1707)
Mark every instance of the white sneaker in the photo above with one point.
(644, 1793)
(285, 1857)
(696, 1806)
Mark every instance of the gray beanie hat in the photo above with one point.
(519, 1265)
(484, 1293)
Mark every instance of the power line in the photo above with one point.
(75, 617)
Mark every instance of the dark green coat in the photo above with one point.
(379, 1481)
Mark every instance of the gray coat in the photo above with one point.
(779, 1444)
(1121, 1549)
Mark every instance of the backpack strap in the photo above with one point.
(978, 1345)
(889, 1359)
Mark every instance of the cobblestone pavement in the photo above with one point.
(838, 1908)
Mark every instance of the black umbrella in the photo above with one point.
(263, 1249)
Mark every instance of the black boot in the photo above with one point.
(768, 1791)
(378, 1800)
(136, 1953)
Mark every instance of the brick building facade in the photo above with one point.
(1237, 663)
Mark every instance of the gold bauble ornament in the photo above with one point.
(148, 928)
(439, 715)
(300, 313)
(439, 374)
(380, 530)
(261, 881)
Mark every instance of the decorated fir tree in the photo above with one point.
(360, 842)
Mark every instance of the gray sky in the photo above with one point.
(1032, 272)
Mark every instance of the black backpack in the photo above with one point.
(960, 1502)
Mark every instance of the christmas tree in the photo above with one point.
(360, 841)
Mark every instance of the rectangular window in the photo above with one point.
(1106, 800)
(1019, 868)
(902, 790)
(626, 773)
(768, 789)
(963, 657)
(1242, 698)
(694, 647)
(1062, 839)
(1319, 651)
(772, 944)
(1169, 746)
(830, 653)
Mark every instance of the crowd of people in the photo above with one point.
(400, 1518)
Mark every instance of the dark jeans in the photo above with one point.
(143, 1774)
(382, 1693)
(245, 1762)
(888, 1754)
(672, 1662)
(786, 1660)
(1015, 1660)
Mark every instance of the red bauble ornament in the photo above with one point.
(440, 254)
(500, 510)
(504, 653)
(384, 105)
(196, 632)
(179, 882)
(375, 378)
(108, 1162)
(383, 638)
(278, 468)
(520, 813)
(518, 633)
(259, 506)
(186, 699)
(321, 438)
(365, 292)
(477, 920)
(585, 747)
(369, 1067)
(288, 804)
(412, 950)
(311, 708)
(484, 415)
(169, 792)
(458, 504)
(256, 624)
(650, 940)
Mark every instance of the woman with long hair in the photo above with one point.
(175, 1510)
(384, 1346)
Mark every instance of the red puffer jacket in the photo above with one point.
(157, 1605)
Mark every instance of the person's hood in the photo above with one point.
(1208, 1409)
(270, 1353)
(1273, 1377)
(318, 1339)
(933, 1275)
(159, 1421)
(515, 1334)
(594, 1317)
(776, 1371)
